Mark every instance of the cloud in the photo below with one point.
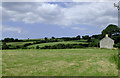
(0, 13)
(91, 14)
(78, 28)
(10, 29)
(58, 0)
(95, 0)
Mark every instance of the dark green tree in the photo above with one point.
(8, 40)
(37, 47)
(89, 39)
(86, 37)
(111, 30)
(16, 40)
(78, 37)
(116, 38)
(52, 37)
(46, 38)
(4, 45)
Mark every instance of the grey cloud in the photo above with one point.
(58, 0)
(94, 14)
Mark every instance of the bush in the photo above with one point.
(37, 47)
(65, 46)
(93, 44)
(77, 46)
(11, 40)
(60, 46)
(4, 46)
(45, 41)
(17, 47)
(117, 45)
(27, 44)
(116, 38)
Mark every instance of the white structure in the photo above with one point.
(106, 42)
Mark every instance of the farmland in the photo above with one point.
(33, 43)
(58, 57)
(60, 62)
(17, 43)
(54, 43)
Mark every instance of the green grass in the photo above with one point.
(44, 44)
(0, 63)
(18, 43)
(54, 43)
(60, 62)
(32, 39)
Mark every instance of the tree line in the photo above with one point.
(93, 41)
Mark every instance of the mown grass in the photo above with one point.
(54, 43)
(59, 62)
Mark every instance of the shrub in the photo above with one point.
(52, 37)
(77, 46)
(4, 46)
(37, 47)
(27, 44)
(17, 47)
(117, 45)
(93, 44)
(64, 46)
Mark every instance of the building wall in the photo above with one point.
(106, 43)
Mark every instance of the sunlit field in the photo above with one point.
(54, 43)
(60, 62)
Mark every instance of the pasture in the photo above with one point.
(54, 43)
(60, 62)
(18, 43)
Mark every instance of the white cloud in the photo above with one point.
(95, 0)
(93, 14)
(11, 29)
(78, 28)
(58, 0)
(0, 13)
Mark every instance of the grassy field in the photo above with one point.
(60, 62)
(18, 43)
(54, 43)
(33, 46)
(0, 63)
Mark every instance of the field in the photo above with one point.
(18, 43)
(54, 43)
(33, 46)
(60, 62)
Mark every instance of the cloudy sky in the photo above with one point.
(38, 20)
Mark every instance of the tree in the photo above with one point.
(37, 47)
(17, 47)
(89, 39)
(111, 30)
(86, 37)
(46, 38)
(78, 37)
(8, 40)
(16, 40)
(116, 38)
(52, 37)
(5, 46)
